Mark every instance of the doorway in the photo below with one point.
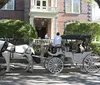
(41, 25)
(41, 32)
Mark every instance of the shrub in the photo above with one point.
(96, 48)
(83, 28)
(17, 29)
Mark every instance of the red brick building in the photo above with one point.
(47, 16)
(13, 10)
(83, 14)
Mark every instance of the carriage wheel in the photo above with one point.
(91, 63)
(55, 65)
(46, 62)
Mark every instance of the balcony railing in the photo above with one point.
(43, 9)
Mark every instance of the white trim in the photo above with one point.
(72, 6)
(56, 28)
(52, 28)
(43, 15)
(32, 3)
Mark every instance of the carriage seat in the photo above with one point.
(56, 48)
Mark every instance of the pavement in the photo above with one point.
(41, 76)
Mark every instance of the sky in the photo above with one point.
(95, 12)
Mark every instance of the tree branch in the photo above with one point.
(3, 2)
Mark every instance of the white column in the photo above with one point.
(56, 26)
(32, 21)
(56, 3)
(32, 3)
(49, 28)
(52, 3)
(52, 28)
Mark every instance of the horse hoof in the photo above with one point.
(6, 71)
(29, 71)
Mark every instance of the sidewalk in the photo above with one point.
(40, 76)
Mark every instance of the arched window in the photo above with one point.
(69, 22)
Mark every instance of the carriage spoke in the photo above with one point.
(55, 65)
(91, 63)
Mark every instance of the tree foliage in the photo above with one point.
(92, 29)
(98, 2)
(17, 29)
(83, 28)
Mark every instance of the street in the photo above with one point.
(40, 76)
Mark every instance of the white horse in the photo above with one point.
(19, 51)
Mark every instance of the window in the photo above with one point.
(44, 4)
(41, 4)
(72, 6)
(9, 5)
(38, 4)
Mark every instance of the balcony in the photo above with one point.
(44, 9)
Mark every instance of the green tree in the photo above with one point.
(17, 29)
(92, 29)
(72, 28)
(98, 2)
(83, 28)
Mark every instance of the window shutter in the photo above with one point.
(80, 6)
(65, 6)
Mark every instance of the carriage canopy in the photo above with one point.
(75, 36)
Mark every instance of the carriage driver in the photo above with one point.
(57, 40)
(56, 43)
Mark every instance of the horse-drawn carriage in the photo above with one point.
(68, 54)
(71, 54)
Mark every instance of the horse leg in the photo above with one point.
(28, 66)
(6, 55)
(30, 60)
(30, 63)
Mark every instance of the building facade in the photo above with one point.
(14, 9)
(47, 16)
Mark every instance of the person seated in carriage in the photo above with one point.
(56, 43)
(81, 46)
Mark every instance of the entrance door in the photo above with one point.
(41, 32)
(41, 25)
